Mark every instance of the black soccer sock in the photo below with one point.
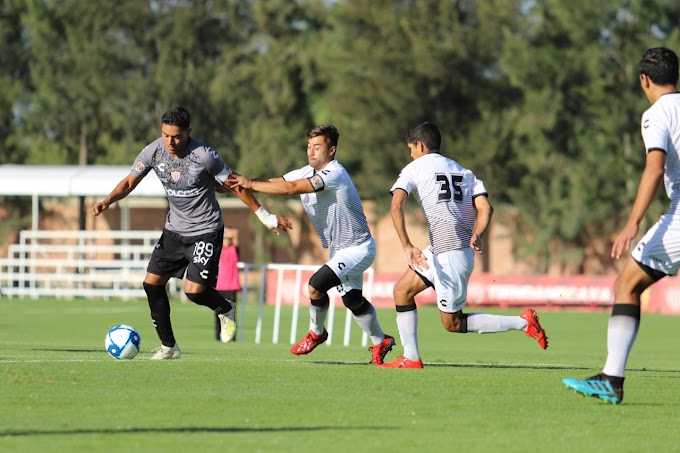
(212, 299)
(160, 313)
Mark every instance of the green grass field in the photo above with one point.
(60, 391)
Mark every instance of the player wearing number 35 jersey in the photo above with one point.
(191, 242)
(457, 211)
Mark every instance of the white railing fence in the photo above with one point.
(112, 264)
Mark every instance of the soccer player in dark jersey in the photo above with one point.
(332, 203)
(457, 211)
(191, 241)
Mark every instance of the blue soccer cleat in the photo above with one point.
(598, 386)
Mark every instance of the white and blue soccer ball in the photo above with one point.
(122, 342)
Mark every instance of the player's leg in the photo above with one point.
(323, 280)
(349, 264)
(167, 260)
(229, 295)
(366, 317)
(451, 272)
(655, 256)
(405, 290)
(622, 330)
(203, 254)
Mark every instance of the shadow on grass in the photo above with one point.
(194, 429)
(472, 365)
(68, 350)
(518, 366)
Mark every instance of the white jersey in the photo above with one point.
(659, 248)
(335, 207)
(444, 191)
(660, 128)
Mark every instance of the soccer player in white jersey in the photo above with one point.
(191, 242)
(658, 252)
(458, 213)
(332, 203)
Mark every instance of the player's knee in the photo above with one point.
(456, 323)
(402, 291)
(323, 280)
(194, 297)
(355, 302)
(451, 325)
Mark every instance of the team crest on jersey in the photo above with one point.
(175, 175)
(139, 167)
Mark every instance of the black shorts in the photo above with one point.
(199, 256)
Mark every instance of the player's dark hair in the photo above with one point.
(327, 130)
(660, 65)
(177, 116)
(426, 133)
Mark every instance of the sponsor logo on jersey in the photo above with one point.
(139, 167)
(645, 125)
(182, 193)
(161, 167)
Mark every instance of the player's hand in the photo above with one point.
(415, 258)
(282, 224)
(99, 207)
(476, 243)
(240, 181)
(623, 240)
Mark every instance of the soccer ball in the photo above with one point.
(122, 342)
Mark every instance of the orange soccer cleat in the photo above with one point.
(309, 342)
(403, 362)
(379, 351)
(534, 328)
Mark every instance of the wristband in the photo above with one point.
(269, 220)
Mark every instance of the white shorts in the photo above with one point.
(449, 272)
(350, 263)
(659, 248)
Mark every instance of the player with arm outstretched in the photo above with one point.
(332, 203)
(192, 237)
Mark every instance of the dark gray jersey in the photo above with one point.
(189, 184)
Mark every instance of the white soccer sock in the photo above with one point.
(621, 334)
(407, 323)
(369, 324)
(484, 323)
(317, 318)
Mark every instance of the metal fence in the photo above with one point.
(112, 264)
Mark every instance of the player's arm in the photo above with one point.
(276, 186)
(649, 183)
(271, 221)
(482, 221)
(122, 190)
(413, 254)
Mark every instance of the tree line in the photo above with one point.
(540, 98)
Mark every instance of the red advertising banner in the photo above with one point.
(539, 291)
